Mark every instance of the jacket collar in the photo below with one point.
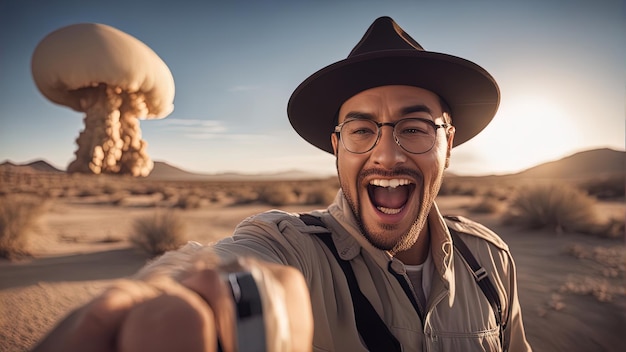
(349, 240)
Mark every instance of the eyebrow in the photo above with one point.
(358, 115)
(404, 111)
(416, 108)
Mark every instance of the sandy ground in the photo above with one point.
(81, 247)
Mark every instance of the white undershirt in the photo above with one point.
(421, 276)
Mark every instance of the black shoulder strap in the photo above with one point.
(371, 327)
(482, 279)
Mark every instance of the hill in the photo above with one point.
(590, 163)
(43, 166)
(29, 168)
(165, 171)
(586, 164)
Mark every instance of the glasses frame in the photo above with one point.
(380, 126)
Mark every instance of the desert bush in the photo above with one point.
(159, 233)
(18, 215)
(611, 187)
(217, 196)
(142, 189)
(322, 194)
(112, 188)
(447, 188)
(277, 194)
(487, 205)
(189, 201)
(170, 193)
(453, 187)
(53, 192)
(502, 192)
(559, 207)
(243, 196)
(614, 228)
(90, 192)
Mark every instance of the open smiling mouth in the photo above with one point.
(390, 196)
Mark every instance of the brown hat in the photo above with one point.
(386, 55)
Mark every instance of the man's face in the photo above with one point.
(390, 217)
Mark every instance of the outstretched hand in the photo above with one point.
(162, 314)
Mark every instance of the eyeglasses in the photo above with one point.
(415, 135)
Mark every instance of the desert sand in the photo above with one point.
(81, 246)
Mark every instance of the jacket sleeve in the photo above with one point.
(275, 237)
(514, 334)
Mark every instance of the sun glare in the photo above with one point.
(527, 131)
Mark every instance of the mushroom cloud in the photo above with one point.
(113, 78)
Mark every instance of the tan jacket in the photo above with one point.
(458, 318)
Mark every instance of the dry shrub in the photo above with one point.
(277, 195)
(112, 188)
(189, 201)
(323, 195)
(171, 193)
(612, 228)
(487, 205)
(243, 195)
(90, 192)
(559, 207)
(501, 192)
(609, 187)
(159, 233)
(18, 215)
(616, 227)
(452, 187)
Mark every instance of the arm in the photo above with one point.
(186, 306)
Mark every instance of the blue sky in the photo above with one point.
(560, 65)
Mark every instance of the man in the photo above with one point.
(380, 269)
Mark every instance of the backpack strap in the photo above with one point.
(372, 329)
(482, 279)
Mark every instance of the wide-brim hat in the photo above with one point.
(387, 55)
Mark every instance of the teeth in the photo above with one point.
(393, 183)
(389, 211)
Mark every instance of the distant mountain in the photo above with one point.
(590, 163)
(30, 168)
(165, 171)
(597, 162)
(43, 166)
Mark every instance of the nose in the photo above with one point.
(388, 153)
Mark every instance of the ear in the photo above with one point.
(450, 134)
(335, 141)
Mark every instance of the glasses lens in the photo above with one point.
(415, 135)
(359, 136)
